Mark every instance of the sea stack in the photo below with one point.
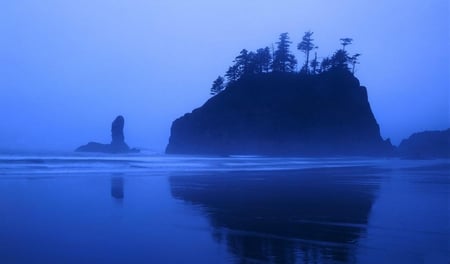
(327, 114)
(117, 138)
(117, 145)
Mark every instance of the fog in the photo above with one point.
(68, 68)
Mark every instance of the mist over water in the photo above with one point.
(68, 69)
(190, 209)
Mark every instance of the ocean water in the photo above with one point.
(76, 208)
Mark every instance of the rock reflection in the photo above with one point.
(117, 187)
(305, 216)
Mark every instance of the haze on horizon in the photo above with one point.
(68, 68)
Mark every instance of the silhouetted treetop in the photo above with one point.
(263, 60)
(218, 85)
(281, 60)
(354, 61)
(306, 45)
(340, 59)
(315, 64)
(345, 42)
(325, 65)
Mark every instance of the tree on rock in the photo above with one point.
(315, 64)
(340, 59)
(218, 85)
(306, 45)
(345, 42)
(233, 74)
(244, 64)
(325, 65)
(283, 60)
(354, 60)
(262, 60)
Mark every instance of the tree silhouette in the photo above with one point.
(244, 62)
(242, 65)
(354, 60)
(283, 60)
(218, 85)
(306, 45)
(233, 74)
(314, 64)
(345, 42)
(262, 60)
(325, 65)
(265, 60)
(340, 59)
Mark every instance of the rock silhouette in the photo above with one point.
(117, 145)
(117, 187)
(283, 114)
(117, 131)
(427, 144)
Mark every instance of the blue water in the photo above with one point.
(76, 208)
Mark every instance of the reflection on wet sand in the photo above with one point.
(117, 187)
(306, 216)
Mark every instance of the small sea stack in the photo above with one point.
(117, 144)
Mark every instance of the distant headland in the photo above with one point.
(265, 106)
(117, 144)
(427, 144)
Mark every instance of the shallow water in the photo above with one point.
(181, 209)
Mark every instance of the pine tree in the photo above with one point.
(325, 65)
(283, 60)
(354, 60)
(262, 60)
(218, 85)
(345, 42)
(314, 63)
(244, 64)
(306, 45)
(340, 59)
(233, 74)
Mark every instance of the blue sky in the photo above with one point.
(67, 68)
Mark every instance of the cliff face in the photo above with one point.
(427, 144)
(283, 114)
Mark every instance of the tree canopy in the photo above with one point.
(218, 85)
(306, 45)
(345, 42)
(281, 60)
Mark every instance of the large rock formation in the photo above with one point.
(427, 144)
(283, 114)
(117, 145)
